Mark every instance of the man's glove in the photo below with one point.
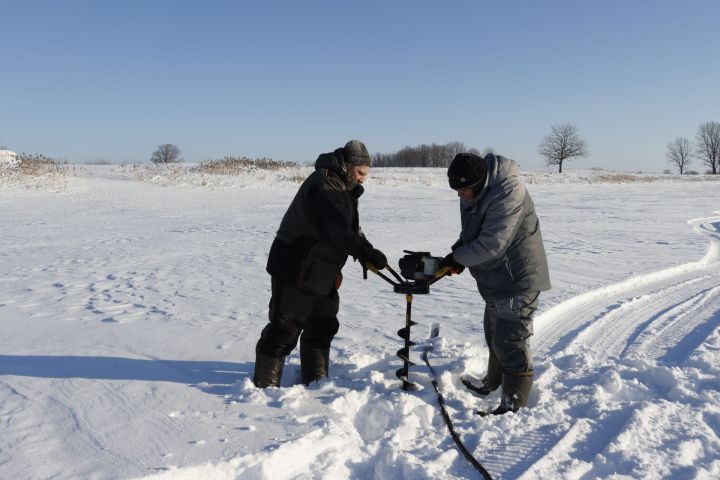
(450, 262)
(376, 258)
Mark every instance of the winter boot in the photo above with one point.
(490, 382)
(268, 370)
(314, 363)
(516, 388)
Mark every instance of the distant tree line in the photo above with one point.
(424, 155)
(562, 143)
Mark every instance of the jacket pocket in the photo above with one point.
(317, 276)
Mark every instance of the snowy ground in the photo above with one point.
(130, 310)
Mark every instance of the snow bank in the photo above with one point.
(8, 157)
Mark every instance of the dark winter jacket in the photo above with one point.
(500, 240)
(320, 228)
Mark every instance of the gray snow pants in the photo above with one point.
(508, 328)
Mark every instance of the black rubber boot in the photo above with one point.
(314, 363)
(515, 393)
(268, 370)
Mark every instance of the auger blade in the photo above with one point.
(409, 386)
(404, 354)
(406, 385)
(404, 333)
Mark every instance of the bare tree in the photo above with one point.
(708, 145)
(679, 152)
(562, 144)
(167, 153)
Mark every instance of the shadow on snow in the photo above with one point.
(211, 377)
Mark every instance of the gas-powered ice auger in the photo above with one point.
(420, 270)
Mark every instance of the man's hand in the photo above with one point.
(375, 258)
(450, 262)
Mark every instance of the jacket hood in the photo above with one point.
(333, 161)
(498, 169)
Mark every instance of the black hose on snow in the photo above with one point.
(441, 400)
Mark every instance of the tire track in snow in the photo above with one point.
(615, 333)
(662, 333)
(631, 300)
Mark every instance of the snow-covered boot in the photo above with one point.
(516, 388)
(515, 392)
(314, 363)
(268, 370)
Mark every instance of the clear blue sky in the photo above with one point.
(86, 80)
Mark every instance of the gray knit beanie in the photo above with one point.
(355, 153)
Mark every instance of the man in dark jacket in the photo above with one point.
(318, 232)
(502, 246)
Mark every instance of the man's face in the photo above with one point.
(466, 194)
(358, 173)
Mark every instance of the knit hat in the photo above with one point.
(466, 171)
(355, 153)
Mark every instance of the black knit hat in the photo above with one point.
(355, 153)
(466, 171)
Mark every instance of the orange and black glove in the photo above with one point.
(450, 262)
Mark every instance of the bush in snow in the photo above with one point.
(37, 164)
(36, 171)
(237, 165)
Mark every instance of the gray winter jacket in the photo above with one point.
(500, 240)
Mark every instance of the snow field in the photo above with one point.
(130, 311)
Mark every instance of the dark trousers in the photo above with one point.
(293, 313)
(508, 328)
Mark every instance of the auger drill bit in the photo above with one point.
(404, 353)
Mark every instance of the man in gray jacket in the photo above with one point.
(319, 230)
(501, 244)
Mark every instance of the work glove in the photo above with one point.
(450, 262)
(375, 258)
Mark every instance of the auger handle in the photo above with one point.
(440, 274)
(368, 266)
